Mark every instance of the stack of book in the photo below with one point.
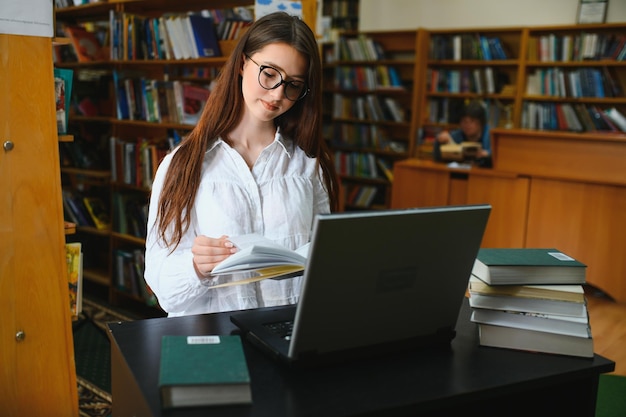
(530, 299)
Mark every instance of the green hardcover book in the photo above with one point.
(523, 266)
(203, 371)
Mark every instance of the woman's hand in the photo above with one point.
(208, 252)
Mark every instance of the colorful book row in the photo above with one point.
(584, 46)
(575, 117)
(362, 78)
(172, 36)
(129, 266)
(369, 107)
(580, 82)
(477, 80)
(467, 46)
(151, 100)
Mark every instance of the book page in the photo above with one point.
(256, 251)
(250, 276)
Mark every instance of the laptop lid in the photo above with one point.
(377, 280)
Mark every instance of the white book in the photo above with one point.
(179, 100)
(528, 305)
(617, 118)
(456, 47)
(523, 339)
(182, 36)
(549, 323)
(256, 251)
(191, 39)
(170, 26)
(533, 81)
(491, 85)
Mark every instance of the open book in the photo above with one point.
(258, 258)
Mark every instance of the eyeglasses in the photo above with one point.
(270, 78)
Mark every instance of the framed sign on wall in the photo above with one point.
(592, 11)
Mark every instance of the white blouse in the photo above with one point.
(278, 198)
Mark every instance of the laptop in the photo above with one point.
(374, 282)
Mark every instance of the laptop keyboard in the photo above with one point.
(283, 329)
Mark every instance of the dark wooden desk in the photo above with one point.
(464, 379)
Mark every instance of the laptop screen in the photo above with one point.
(379, 278)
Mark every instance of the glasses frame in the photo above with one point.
(305, 91)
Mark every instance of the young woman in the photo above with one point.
(255, 163)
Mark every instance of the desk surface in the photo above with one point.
(465, 376)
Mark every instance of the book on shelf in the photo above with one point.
(616, 117)
(195, 97)
(565, 325)
(75, 210)
(63, 82)
(129, 270)
(98, 212)
(520, 266)
(386, 168)
(87, 46)
(205, 35)
(534, 341)
(74, 260)
(203, 371)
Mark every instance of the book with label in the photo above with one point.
(205, 370)
(534, 341)
(522, 266)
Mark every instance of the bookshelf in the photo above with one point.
(37, 343)
(573, 76)
(344, 14)
(468, 64)
(567, 78)
(121, 133)
(370, 91)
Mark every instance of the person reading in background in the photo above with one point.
(473, 127)
(256, 162)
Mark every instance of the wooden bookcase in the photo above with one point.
(343, 13)
(468, 64)
(533, 86)
(36, 342)
(572, 75)
(370, 91)
(106, 251)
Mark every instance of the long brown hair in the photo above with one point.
(223, 111)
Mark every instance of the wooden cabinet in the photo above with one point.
(566, 191)
(36, 347)
(577, 197)
(420, 183)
